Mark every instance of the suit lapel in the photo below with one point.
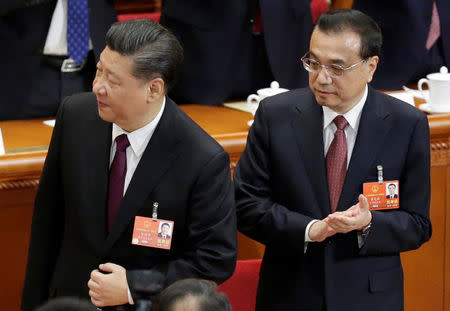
(308, 129)
(373, 128)
(98, 142)
(156, 160)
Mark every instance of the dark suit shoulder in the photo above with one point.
(395, 107)
(80, 106)
(281, 106)
(190, 133)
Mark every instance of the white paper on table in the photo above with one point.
(403, 95)
(2, 146)
(242, 106)
(425, 94)
(49, 122)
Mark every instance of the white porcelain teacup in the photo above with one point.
(439, 89)
(266, 92)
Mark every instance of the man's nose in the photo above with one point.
(98, 87)
(323, 76)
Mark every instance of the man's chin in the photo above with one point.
(104, 115)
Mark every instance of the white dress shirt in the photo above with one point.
(353, 116)
(138, 142)
(56, 42)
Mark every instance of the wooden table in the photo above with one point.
(427, 270)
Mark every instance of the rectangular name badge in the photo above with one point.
(383, 195)
(152, 233)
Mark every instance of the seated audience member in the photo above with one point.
(232, 48)
(121, 160)
(45, 57)
(416, 39)
(67, 304)
(192, 295)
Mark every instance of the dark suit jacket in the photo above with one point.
(182, 168)
(405, 25)
(24, 31)
(281, 185)
(217, 40)
(160, 235)
(395, 196)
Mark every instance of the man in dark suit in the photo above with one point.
(165, 231)
(299, 182)
(406, 25)
(81, 240)
(235, 47)
(33, 83)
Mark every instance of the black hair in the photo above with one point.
(156, 52)
(203, 292)
(67, 304)
(358, 22)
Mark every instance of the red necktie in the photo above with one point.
(257, 21)
(117, 177)
(337, 162)
(435, 28)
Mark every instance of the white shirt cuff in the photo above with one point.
(307, 238)
(130, 299)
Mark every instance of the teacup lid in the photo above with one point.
(272, 90)
(443, 75)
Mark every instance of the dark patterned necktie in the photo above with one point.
(337, 162)
(78, 30)
(117, 177)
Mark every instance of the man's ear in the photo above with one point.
(372, 62)
(155, 89)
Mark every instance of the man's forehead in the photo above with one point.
(115, 63)
(112, 57)
(335, 45)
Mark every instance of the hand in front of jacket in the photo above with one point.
(109, 286)
(320, 230)
(354, 218)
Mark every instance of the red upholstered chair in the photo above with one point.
(154, 16)
(317, 8)
(241, 287)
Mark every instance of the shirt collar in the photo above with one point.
(352, 116)
(139, 138)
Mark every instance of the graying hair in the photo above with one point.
(156, 52)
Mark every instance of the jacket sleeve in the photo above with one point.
(259, 216)
(408, 227)
(47, 226)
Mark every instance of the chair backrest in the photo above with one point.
(317, 8)
(155, 16)
(241, 287)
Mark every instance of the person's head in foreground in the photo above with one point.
(67, 304)
(192, 295)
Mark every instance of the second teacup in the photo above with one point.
(265, 92)
(439, 89)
